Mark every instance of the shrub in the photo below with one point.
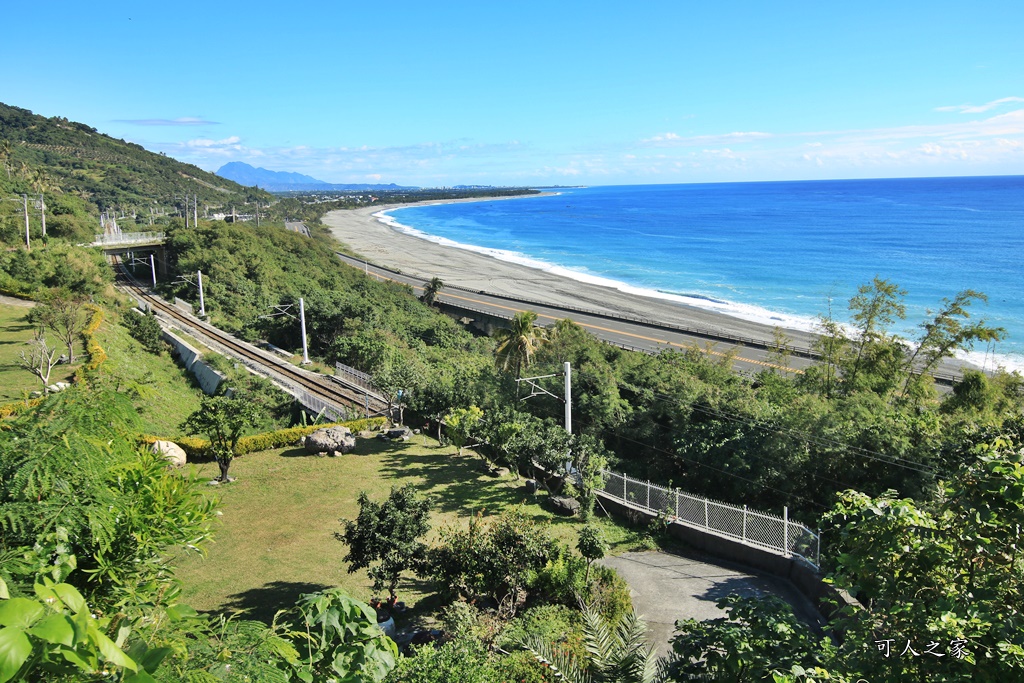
(145, 329)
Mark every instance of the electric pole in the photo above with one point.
(24, 201)
(195, 211)
(568, 397)
(202, 303)
(152, 266)
(302, 320)
(42, 211)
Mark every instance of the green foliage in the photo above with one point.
(81, 505)
(759, 636)
(951, 572)
(517, 344)
(592, 545)
(386, 535)
(54, 265)
(342, 640)
(498, 557)
(145, 329)
(461, 423)
(223, 420)
(617, 652)
(55, 633)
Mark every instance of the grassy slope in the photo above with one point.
(167, 393)
(276, 539)
(14, 332)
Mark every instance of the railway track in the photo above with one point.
(332, 393)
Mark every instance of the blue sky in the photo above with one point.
(534, 93)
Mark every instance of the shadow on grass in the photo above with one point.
(264, 602)
(297, 452)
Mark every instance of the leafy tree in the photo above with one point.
(223, 420)
(396, 379)
(944, 335)
(949, 573)
(878, 355)
(517, 343)
(592, 545)
(497, 558)
(461, 423)
(385, 536)
(430, 290)
(616, 653)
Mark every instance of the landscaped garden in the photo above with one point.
(276, 538)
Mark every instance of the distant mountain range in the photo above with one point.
(282, 181)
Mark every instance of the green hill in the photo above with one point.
(62, 157)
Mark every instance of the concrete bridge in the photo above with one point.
(139, 244)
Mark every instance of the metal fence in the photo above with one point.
(129, 238)
(354, 376)
(321, 407)
(776, 534)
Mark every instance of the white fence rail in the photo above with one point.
(129, 238)
(776, 534)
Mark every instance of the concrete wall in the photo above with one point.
(803, 576)
(208, 378)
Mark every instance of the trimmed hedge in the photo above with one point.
(199, 448)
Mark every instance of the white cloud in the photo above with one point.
(676, 140)
(981, 108)
(207, 143)
(180, 121)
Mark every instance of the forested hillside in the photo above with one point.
(40, 154)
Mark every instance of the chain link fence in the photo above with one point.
(779, 535)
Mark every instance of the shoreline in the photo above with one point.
(367, 235)
(382, 240)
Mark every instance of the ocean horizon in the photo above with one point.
(779, 253)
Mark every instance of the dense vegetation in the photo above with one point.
(919, 493)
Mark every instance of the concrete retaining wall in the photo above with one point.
(208, 378)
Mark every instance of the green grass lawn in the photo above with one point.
(16, 382)
(276, 537)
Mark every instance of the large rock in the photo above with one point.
(397, 434)
(564, 505)
(330, 440)
(171, 451)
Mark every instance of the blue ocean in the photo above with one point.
(776, 252)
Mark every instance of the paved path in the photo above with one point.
(669, 587)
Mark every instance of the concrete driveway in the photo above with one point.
(669, 587)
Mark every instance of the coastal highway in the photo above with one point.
(750, 355)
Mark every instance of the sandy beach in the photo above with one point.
(379, 243)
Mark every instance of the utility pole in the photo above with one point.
(24, 201)
(186, 210)
(258, 218)
(568, 397)
(202, 303)
(152, 266)
(42, 211)
(195, 210)
(302, 320)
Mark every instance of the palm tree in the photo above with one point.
(430, 290)
(616, 653)
(518, 342)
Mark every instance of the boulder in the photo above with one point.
(397, 434)
(330, 440)
(564, 505)
(171, 451)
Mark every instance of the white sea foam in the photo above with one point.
(757, 314)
